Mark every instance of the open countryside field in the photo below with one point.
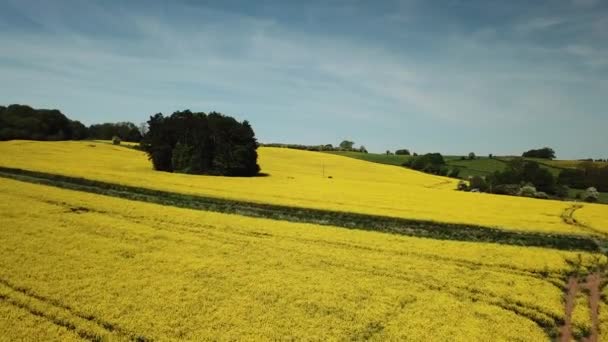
(301, 179)
(149, 272)
(480, 166)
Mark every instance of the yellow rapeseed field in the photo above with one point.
(300, 178)
(79, 265)
(594, 216)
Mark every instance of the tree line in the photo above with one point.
(24, 122)
(344, 146)
(186, 142)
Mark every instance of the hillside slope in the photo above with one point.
(300, 179)
(112, 269)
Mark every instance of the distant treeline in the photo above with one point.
(521, 177)
(344, 146)
(126, 131)
(587, 174)
(543, 153)
(24, 122)
(201, 143)
(431, 163)
(328, 147)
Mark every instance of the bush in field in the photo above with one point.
(454, 173)
(506, 189)
(561, 191)
(462, 186)
(479, 183)
(527, 191)
(403, 152)
(541, 195)
(591, 195)
(472, 155)
(116, 140)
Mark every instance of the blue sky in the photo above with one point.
(451, 76)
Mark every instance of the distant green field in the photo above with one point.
(389, 159)
(480, 166)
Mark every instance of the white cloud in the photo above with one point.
(243, 65)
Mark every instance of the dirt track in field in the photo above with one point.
(591, 284)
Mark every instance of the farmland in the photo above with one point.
(167, 256)
(156, 272)
(480, 166)
(302, 179)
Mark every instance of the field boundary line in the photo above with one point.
(351, 220)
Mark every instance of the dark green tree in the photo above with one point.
(347, 145)
(201, 143)
(543, 153)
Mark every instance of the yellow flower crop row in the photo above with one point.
(98, 266)
(594, 216)
(301, 179)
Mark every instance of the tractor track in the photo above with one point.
(64, 315)
(590, 285)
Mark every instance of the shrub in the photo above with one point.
(454, 173)
(561, 191)
(527, 191)
(116, 140)
(472, 156)
(506, 189)
(403, 151)
(462, 186)
(541, 195)
(479, 183)
(591, 195)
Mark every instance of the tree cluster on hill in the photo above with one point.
(587, 174)
(201, 143)
(521, 177)
(403, 152)
(126, 131)
(522, 171)
(430, 163)
(543, 153)
(25, 122)
(327, 147)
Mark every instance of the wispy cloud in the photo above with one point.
(143, 60)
